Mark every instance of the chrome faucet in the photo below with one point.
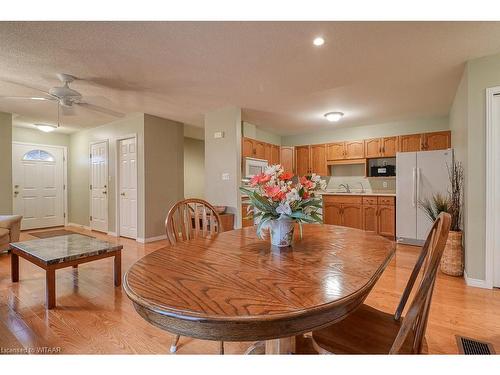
(362, 188)
(346, 187)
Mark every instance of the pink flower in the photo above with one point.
(307, 184)
(274, 192)
(260, 179)
(286, 176)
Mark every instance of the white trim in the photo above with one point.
(477, 283)
(113, 234)
(65, 173)
(151, 239)
(79, 226)
(117, 181)
(107, 178)
(492, 235)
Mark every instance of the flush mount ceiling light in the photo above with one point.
(334, 116)
(318, 41)
(46, 128)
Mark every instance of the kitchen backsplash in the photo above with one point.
(354, 175)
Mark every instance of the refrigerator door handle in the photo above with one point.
(413, 198)
(418, 185)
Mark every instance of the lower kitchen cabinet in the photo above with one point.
(244, 214)
(370, 213)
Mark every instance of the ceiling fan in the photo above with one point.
(65, 97)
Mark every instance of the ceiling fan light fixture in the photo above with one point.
(334, 116)
(46, 128)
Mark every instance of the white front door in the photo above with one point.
(99, 186)
(127, 154)
(38, 179)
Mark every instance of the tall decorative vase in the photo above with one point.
(281, 231)
(452, 262)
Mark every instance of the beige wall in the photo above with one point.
(223, 155)
(253, 131)
(5, 163)
(27, 135)
(368, 131)
(163, 171)
(79, 200)
(194, 168)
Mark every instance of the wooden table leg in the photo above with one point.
(14, 267)
(75, 266)
(118, 269)
(50, 287)
(285, 345)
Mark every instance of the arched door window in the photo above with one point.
(38, 155)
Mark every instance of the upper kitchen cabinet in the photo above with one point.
(247, 148)
(318, 160)
(410, 143)
(436, 141)
(260, 150)
(302, 160)
(381, 147)
(268, 150)
(311, 159)
(275, 154)
(287, 158)
(345, 150)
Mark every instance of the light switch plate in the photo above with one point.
(218, 135)
(225, 176)
(384, 184)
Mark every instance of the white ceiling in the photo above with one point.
(371, 71)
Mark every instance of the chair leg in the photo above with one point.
(173, 347)
(221, 347)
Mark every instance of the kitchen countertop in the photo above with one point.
(357, 193)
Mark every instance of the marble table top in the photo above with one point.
(62, 249)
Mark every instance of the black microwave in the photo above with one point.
(383, 171)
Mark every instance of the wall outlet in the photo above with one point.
(384, 184)
(225, 177)
(218, 135)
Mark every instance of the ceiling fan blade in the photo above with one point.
(26, 97)
(68, 111)
(97, 108)
(26, 86)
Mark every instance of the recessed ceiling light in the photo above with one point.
(318, 41)
(334, 116)
(46, 128)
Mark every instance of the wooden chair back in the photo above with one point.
(415, 320)
(192, 218)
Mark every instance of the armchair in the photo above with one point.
(10, 228)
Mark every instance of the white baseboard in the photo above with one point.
(477, 283)
(112, 234)
(151, 239)
(79, 226)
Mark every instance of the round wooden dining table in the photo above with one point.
(237, 287)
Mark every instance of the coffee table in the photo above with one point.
(60, 252)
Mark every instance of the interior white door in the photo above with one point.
(127, 153)
(38, 179)
(496, 253)
(99, 186)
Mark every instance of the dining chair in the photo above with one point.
(189, 219)
(370, 331)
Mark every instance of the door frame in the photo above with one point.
(107, 178)
(117, 182)
(492, 238)
(65, 173)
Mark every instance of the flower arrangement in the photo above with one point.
(278, 200)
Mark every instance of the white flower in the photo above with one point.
(284, 209)
(292, 196)
(315, 178)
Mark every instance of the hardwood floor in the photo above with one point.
(92, 316)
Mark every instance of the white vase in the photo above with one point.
(281, 231)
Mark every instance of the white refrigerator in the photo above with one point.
(419, 175)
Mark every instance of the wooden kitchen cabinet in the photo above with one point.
(370, 218)
(410, 143)
(244, 214)
(318, 160)
(381, 147)
(260, 149)
(345, 150)
(275, 154)
(386, 221)
(302, 160)
(268, 150)
(437, 141)
(247, 148)
(287, 154)
(335, 151)
(332, 213)
(352, 215)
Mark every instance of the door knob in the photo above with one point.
(16, 186)
(104, 192)
(16, 192)
(122, 194)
